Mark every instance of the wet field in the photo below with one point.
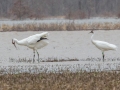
(62, 45)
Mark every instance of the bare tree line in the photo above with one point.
(20, 9)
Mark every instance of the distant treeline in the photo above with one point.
(71, 9)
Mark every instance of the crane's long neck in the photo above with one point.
(92, 38)
(18, 42)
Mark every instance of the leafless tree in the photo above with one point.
(47, 8)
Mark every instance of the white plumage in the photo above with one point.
(34, 42)
(103, 46)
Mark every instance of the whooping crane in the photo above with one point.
(103, 46)
(34, 42)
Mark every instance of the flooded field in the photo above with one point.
(63, 45)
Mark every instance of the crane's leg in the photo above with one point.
(33, 55)
(38, 55)
(103, 56)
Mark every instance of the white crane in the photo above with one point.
(34, 42)
(103, 46)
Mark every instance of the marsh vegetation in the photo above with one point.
(68, 26)
(66, 80)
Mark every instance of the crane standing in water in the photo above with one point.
(34, 42)
(103, 46)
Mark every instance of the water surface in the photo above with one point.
(63, 45)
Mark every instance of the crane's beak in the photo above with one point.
(14, 43)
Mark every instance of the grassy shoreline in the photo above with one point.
(60, 26)
(61, 81)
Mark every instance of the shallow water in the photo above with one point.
(63, 45)
(48, 21)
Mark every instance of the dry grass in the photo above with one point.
(61, 81)
(60, 26)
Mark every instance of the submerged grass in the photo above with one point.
(19, 60)
(52, 59)
(60, 26)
